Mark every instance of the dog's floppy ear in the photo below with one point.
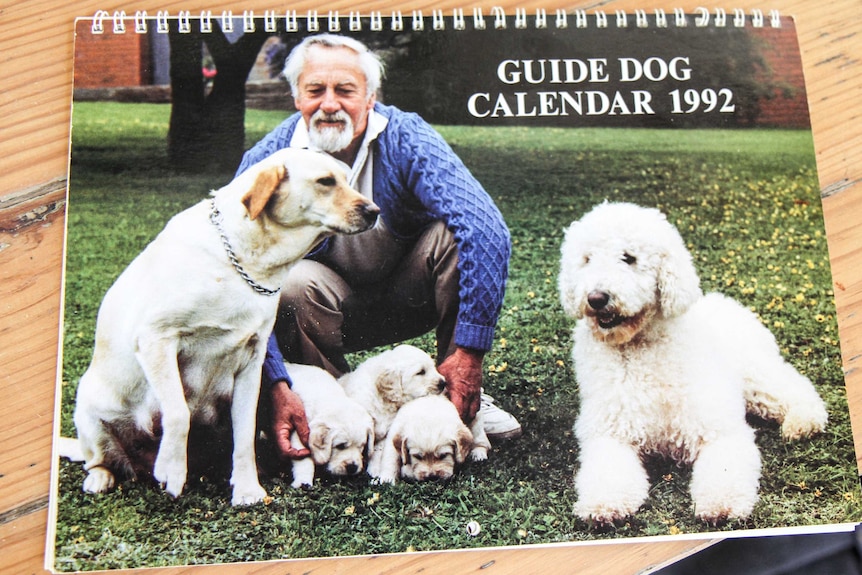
(369, 444)
(678, 283)
(400, 444)
(320, 443)
(463, 444)
(389, 386)
(567, 281)
(265, 184)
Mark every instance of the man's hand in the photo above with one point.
(463, 373)
(288, 415)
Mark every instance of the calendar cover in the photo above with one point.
(609, 222)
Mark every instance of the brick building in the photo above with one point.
(111, 60)
(787, 106)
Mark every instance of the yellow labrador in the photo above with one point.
(181, 335)
(385, 382)
(427, 441)
(342, 432)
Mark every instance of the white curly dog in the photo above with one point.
(664, 369)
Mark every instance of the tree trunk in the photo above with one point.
(207, 131)
(185, 137)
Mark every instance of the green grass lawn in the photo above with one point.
(747, 204)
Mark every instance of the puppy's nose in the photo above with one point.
(352, 469)
(441, 385)
(598, 299)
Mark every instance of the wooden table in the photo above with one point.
(36, 42)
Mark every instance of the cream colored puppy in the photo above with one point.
(385, 382)
(181, 335)
(427, 441)
(342, 432)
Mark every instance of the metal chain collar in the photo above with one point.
(216, 218)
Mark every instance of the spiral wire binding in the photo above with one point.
(701, 17)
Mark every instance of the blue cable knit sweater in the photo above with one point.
(418, 179)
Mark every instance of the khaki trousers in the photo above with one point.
(370, 289)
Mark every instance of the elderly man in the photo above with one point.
(437, 258)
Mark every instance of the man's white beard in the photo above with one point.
(330, 139)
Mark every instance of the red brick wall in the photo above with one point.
(110, 60)
(786, 107)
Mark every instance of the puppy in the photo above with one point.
(664, 369)
(385, 382)
(342, 432)
(181, 335)
(426, 441)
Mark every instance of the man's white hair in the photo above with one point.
(372, 66)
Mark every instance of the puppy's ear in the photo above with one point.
(463, 444)
(678, 283)
(389, 386)
(399, 442)
(567, 280)
(265, 184)
(369, 444)
(320, 442)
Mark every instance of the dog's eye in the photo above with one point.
(327, 181)
(419, 456)
(629, 259)
(340, 446)
(421, 371)
(586, 259)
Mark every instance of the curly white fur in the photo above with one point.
(664, 369)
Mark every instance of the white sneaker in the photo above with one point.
(499, 425)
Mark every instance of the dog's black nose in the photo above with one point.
(370, 212)
(598, 299)
(441, 385)
(352, 469)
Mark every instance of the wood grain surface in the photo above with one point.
(36, 47)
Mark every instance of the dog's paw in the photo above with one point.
(303, 472)
(603, 518)
(601, 515)
(720, 513)
(479, 453)
(725, 479)
(70, 448)
(384, 479)
(98, 480)
(723, 501)
(301, 483)
(801, 422)
(611, 504)
(170, 474)
(247, 494)
(718, 519)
